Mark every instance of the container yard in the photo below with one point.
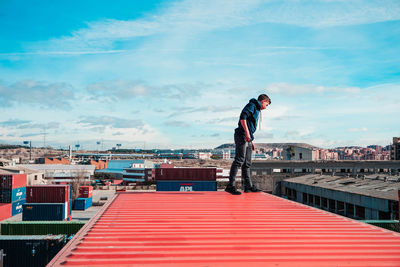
(12, 194)
(218, 229)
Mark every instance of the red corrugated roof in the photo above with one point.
(219, 229)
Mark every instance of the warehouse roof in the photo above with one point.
(378, 186)
(58, 167)
(219, 229)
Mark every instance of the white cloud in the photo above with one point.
(43, 94)
(124, 89)
(301, 89)
(188, 18)
(364, 129)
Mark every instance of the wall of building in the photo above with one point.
(298, 153)
(344, 203)
(395, 151)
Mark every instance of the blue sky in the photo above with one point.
(177, 73)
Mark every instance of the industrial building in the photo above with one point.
(296, 152)
(139, 169)
(33, 177)
(395, 151)
(373, 197)
(130, 171)
(63, 172)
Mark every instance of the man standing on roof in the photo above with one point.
(244, 144)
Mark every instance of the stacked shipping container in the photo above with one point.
(47, 202)
(30, 250)
(85, 198)
(12, 194)
(186, 179)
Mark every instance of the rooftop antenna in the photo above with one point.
(44, 136)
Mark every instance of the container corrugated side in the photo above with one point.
(5, 211)
(41, 227)
(35, 251)
(47, 194)
(45, 212)
(85, 191)
(12, 195)
(17, 207)
(186, 186)
(185, 174)
(10, 181)
(82, 203)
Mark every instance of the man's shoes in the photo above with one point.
(251, 189)
(232, 190)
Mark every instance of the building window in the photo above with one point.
(384, 215)
(332, 205)
(317, 201)
(324, 202)
(35, 177)
(305, 198)
(301, 155)
(360, 212)
(340, 207)
(350, 210)
(311, 199)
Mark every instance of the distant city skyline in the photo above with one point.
(175, 74)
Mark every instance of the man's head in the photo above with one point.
(264, 100)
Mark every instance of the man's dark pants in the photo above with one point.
(243, 160)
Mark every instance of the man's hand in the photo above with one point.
(252, 146)
(247, 136)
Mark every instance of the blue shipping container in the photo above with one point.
(45, 212)
(17, 207)
(82, 203)
(12, 195)
(186, 186)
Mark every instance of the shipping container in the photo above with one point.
(82, 203)
(41, 228)
(186, 186)
(17, 207)
(12, 195)
(220, 229)
(5, 211)
(45, 211)
(85, 191)
(35, 251)
(47, 194)
(11, 181)
(186, 174)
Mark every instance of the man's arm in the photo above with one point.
(246, 132)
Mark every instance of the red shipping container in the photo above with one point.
(11, 181)
(47, 194)
(85, 191)
(5, 211)
(187, 174)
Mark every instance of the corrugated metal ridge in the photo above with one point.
(82, 232)
(218, 229)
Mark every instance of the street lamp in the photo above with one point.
(30, 148)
